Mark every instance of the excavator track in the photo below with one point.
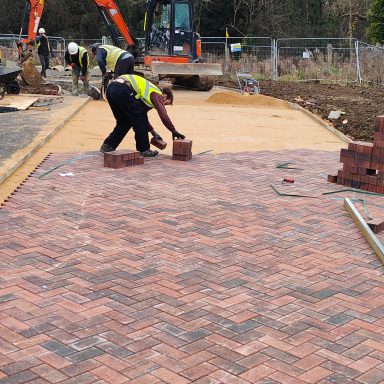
(197, 83)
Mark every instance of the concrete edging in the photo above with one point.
(320, 121)
(34, 149)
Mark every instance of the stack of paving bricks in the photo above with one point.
(182, 150)
(363, 163)
(122, 159)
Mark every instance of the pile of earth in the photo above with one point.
(247, 100)
(360, 105)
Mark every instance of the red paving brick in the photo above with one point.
(188, 272)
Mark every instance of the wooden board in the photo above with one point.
(21, 102)
(24, 101)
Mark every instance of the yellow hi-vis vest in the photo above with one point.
(143, 88)
(113, 54)
(81, 54)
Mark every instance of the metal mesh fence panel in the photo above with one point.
(327, 59)
(371, 61)
(316, 59)
(8, 43)
(240, 54)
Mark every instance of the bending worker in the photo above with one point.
(77, 58)
(43, 50)
(114, 59)
(130, 98)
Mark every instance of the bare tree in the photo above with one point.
(200, 7)
(351, 11)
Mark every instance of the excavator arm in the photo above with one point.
(114, 13)
(33, 10)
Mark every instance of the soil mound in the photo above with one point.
(360, 104)
(246, 99)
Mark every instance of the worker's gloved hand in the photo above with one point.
(82, 78)
(177, 135)
(73, 65)
(105, 79)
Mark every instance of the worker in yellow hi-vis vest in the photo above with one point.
(113, 59)
(130, 98)
(77, 58)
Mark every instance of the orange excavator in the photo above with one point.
(172, 49)
(33, 11)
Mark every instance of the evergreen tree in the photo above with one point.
(376, 22)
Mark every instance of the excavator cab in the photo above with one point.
(173, 48)
(169, 30)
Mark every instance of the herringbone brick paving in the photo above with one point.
(188, 272)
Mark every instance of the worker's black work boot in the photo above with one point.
(149, 153)
(106, 148)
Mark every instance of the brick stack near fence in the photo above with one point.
(363, 163)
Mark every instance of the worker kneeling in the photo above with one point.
(77, 58)
(130, 98)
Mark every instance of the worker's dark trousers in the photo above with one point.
(129, 112)
(44, 60)
(124, 67)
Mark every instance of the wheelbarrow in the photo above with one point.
(8, 81)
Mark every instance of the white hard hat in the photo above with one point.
(41, 30)
(73, 48)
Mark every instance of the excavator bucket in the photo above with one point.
(30, 74)
(187, 69)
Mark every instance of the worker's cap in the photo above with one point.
(41, 30)
(94, 47)
(73, 48)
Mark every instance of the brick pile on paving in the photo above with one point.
(363, 163)
(187, 272)
(122, 159)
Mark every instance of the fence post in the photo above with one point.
(358, 69)
(226, 55)
(274, 59)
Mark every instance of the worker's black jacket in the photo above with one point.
(44, 48)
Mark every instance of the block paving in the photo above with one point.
(188, 272)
